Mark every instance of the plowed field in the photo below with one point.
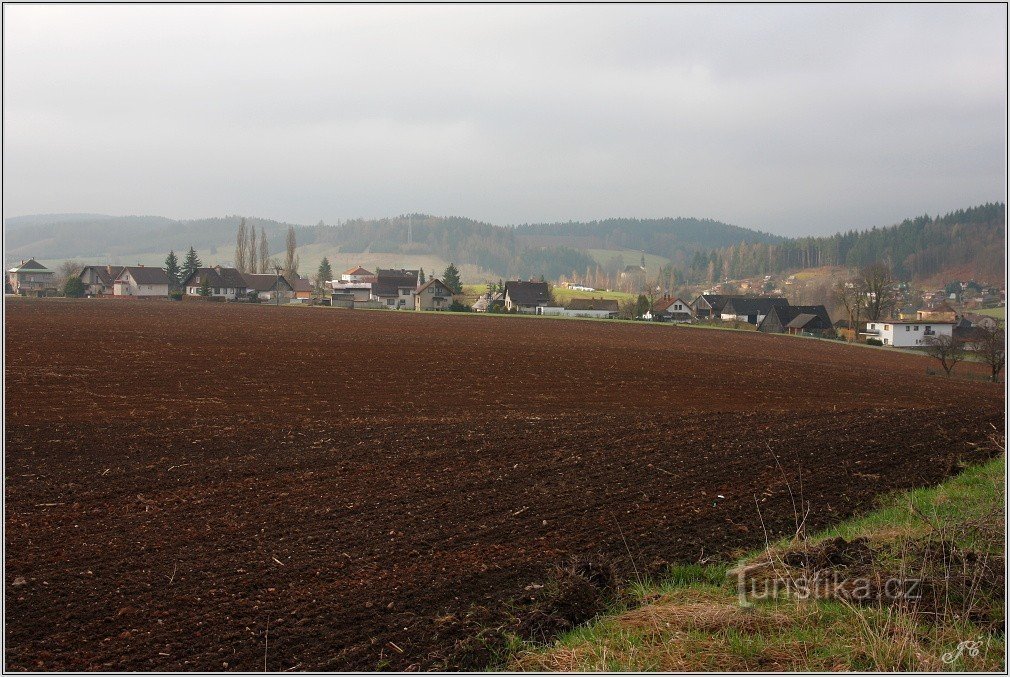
(208, 486)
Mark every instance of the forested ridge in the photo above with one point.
(698, 250)
(916, 248)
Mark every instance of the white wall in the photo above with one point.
(906, 334)
(127, 286)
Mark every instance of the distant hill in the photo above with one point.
(120, 239)
(964, 244)
(686, 249)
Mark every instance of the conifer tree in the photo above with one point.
(191, 264)
(451, 279)
(172, 270)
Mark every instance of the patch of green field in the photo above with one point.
(998, 313)
(692, 620)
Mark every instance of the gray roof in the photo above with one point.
(31, 265)
(527, 293)
(265, 282)
(754, 305)
(146, 274)
(593, 304)
(218, 276)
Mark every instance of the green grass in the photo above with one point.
(690, 620)
(998, 313)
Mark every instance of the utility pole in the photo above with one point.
(277, 286)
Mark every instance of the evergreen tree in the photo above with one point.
(451, 279)
(173, 270)
(204, 286)
(420, 277)
(324, 274)
(190, 265)
(73, 288)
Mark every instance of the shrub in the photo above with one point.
(874, 342)
(73, 288)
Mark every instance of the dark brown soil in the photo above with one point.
(207, 486)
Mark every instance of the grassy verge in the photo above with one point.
(948, 538)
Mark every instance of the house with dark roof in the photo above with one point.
(31, 278)
(99, 280)
(141, 282)
(226, 283)
(268, 286)
(301, 287)
(395, 288)
(750, 309)
(709, 306)
(670, 309)
(433, 295)
(797, 320)
(526, 297)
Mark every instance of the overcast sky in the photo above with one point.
(789, 119)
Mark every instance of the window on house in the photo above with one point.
(917, 327)
(887, 327)
(908, 328)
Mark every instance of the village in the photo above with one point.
(949, 315)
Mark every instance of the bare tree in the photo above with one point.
(946, 350)
(251, 251)
(880, 289)
(849, 294)
(241, 243)
(991, 347)
(65, 271)
(290, 257)
(264, 251)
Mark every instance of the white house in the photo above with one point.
(674, 309)
(906, 333)
(141, 281)
(357, 274)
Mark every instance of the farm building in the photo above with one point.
(671, 309)
(750, 309)
(526, 297)
(268, 286)
(433, 295)
(602, 308)
(906, 333)
(350, 294)
(797, 320)
(301, 287)
(141, 282)
(99, 280)
(226, 283)
(31, 278)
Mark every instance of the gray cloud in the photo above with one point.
(791, 119)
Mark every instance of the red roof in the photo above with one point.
(358, 271)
